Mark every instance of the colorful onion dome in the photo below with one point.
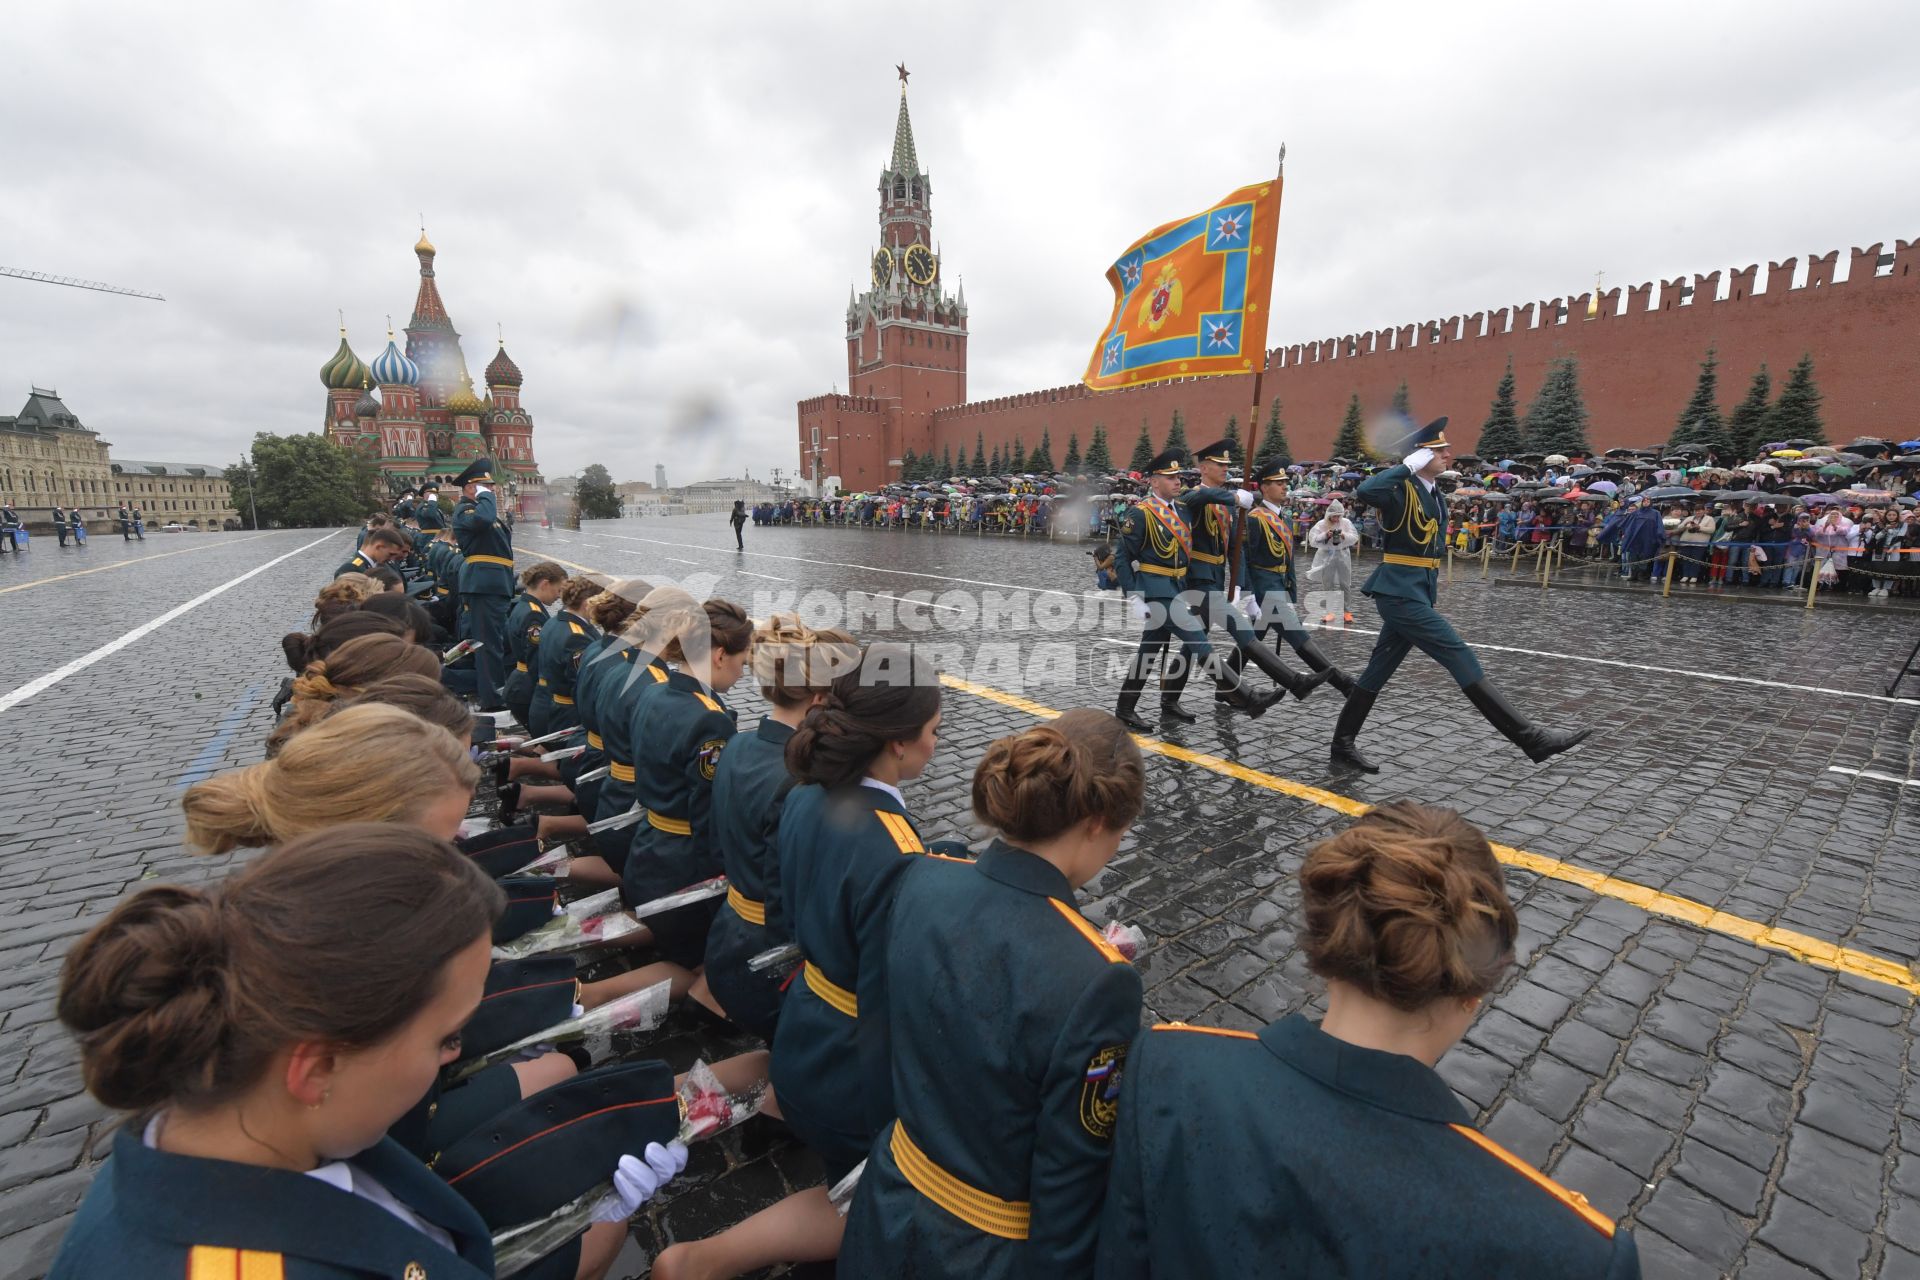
(392, 368)
(463, 401)
(344, 371)
(366, 406)
(502, 371)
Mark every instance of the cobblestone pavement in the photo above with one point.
(1749, 1112)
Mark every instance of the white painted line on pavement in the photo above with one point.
(881, 595)
(1876, 776)
(54, 677)
(1500, 648)
(748, 573)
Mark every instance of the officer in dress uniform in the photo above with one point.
(381, 547)
(486, 580)
(1267, 572)
(1210, 508)
(1405, 588)
(403, 508)
(1156, 544)
(427, 513)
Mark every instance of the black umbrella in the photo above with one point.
(1798, 488)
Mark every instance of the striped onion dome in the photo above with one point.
(392, 368)
(502, 371)
(464, 401)
(344, 371)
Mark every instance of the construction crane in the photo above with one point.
(20, 273)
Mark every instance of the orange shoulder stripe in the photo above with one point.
(1572, 1199)
(1205, 1031)
(1087, 931)
(904, 836)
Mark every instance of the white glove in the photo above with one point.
(1137, 610)
(1417, 460)
(636, 1181)
(482, 488)
(1245, 498)
(1250, 605)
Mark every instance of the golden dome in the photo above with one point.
(425, 245)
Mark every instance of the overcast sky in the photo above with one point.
(664, 205)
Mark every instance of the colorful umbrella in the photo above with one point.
(1835, 469)
(1760, 468)
(1788, 453)
(1604, 486)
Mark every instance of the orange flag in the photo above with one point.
(1190, 297)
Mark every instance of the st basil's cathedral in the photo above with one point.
(427, 420)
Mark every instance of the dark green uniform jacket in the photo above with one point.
(563, 648)
(1266, 550)
(1413, 527)
(358, 564)
(1291, 1153)
(487, 546)
(679, 732)
(1209, 515)
(1011, 1016)
(615, 797)
(149, 1213)
(840, 859)
(749, 790)
(524, 621)
(1156, 545)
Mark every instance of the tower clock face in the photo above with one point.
(882, 268)
(920, 265)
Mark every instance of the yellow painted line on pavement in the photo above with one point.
(1802, 947)
(121, 564)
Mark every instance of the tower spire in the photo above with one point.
(904, 160)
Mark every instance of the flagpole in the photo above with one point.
(1253, 419)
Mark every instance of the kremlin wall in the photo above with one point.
(1639, 352)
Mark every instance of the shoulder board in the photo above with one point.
(535, 605)
(1087, 931)
(709, 702)
(659, 676)
(577, 628)
(947, 857)
(901, 830)
(210, 1262)
(1572, 1199)
(1206, 1031)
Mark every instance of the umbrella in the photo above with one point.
(1556, 459)
(1607, 487)
(1788, 453)
(1910, 444)
(1835, 469)
(1869, 442)
(1581, 470)
(1669, 475)
(1618, 453)
(1819, 499)
(1798, 444)
(1822, 451)
(1770, 500)
(1799, 490)
(1668, 493)
(1854, 459)
(1505, 464)
(1802, 464)
(1700, 471)
(1760, 468)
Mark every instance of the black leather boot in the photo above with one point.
(1294, 682)
(509, 793)
(1538, 743)
(1220, 699)
(1233, 688)
(1173, 679)
(1127, 712)
(1310, 653)
(1347, 728)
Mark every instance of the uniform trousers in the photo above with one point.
(1407, 624)
(1181, 618)
(484, 618)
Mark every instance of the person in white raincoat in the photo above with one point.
(1333, 538)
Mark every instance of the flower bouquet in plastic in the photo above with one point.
(782, 960)
(585, 922)
(554, 862)
(714, 888)
(706, 1111)
(840, 1194)
(631, 1014)
(1125, 938)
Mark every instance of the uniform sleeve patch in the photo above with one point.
(1100, 1092)
(578, 654)
(709, 756)
(533, 635)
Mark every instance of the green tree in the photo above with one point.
(1099, 459)
(1041, 459)
(1273, 440)
(1500, 435)
(307, 481)
(979, 455)
(910, 467)
(1177, 435)
(1143, 450)
(946, 462)
(1700, 421)
(1232, 437)
(1402, 402)
(594, 497)
(993, 464)
(1017, 456)
(1351, 441)
(1796, 414)
(1071, 463)
(1556, 421)
(1747, 424)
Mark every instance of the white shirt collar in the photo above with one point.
(1424, 482)
(1273, 507)
(887, 787)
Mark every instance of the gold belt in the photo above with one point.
(1163, 570)
(1203, 558)
(839, 997)
(981, 1210)
(490, 560)
(672, 826)
(563, 700)
(594, 740)
(624, 772)
(1412, 562)
(521, 667)
(746, 908)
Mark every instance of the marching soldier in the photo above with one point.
(1413, 520)
(1267, 570)
(1210, 515)
(1156, 546)
(486, 580)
